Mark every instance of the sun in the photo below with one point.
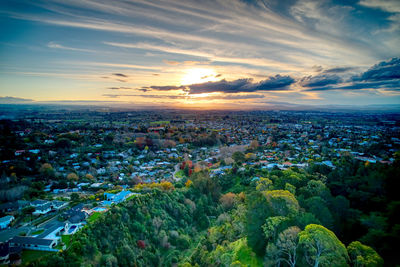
(199, 75)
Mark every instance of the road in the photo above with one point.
(7, 234)
(175, 171)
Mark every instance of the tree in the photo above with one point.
(89, 177)
(264, 184)
(287, 244)
(238, 157)
(316, 188)
(257, 212)
(63, 143)
(72, 177)
(74, 197)
(254, 144)
(321, 247)
(272, 227)
(109, 260)
(228, 200)
(188, 183)
(281, 203)
(28, 211)
(363, 256)
(318, 207)
(47, 170)
(109, 139)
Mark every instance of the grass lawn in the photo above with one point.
(94, 217)
(66, 239)
(31, 255)
(38, 232)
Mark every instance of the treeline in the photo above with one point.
(287, 219)
(155, 229)
(314, 217)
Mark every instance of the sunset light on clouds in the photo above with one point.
(201, 53)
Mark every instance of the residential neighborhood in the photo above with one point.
(63, 170)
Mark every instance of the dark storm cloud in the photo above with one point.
(385, 85)
(320, 80)
(339, 70)
(384, 75)
(385, 70)
(273, 83)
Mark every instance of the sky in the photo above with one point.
(200, 54)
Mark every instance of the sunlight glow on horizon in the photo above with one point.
(199, 75)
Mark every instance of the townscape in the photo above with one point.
(62, 171)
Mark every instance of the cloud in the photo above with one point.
(319, 80)
(339, 70)
(146, 96)
(212, 56)
(171, 62)
(382, 76)
(385, 70)
(392, 6)
(186, 62)
(55, 45)
(272, 83)
(120, 88)
(165, 88)
(120, 75)
(192, 97)
(13, 100)
(382, 85)
(114, 65)
(237, 97)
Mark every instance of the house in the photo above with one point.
(52, 231)
(39, 202)
(75, 215)
(57, 205)
(9, 255)
(119, 197)
(5, 221)
(33, 243)
(44, 209)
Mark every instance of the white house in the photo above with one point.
(44, 209)
(5, 221)
(33, 243)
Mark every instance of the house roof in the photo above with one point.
(28, 240)
(58, 203)
(39, 202)
(6, 218)
(44, 207)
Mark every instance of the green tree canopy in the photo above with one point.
(321, 247)
(363, 256)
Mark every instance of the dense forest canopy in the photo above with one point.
(314, 217)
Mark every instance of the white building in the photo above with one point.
(5, 221)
